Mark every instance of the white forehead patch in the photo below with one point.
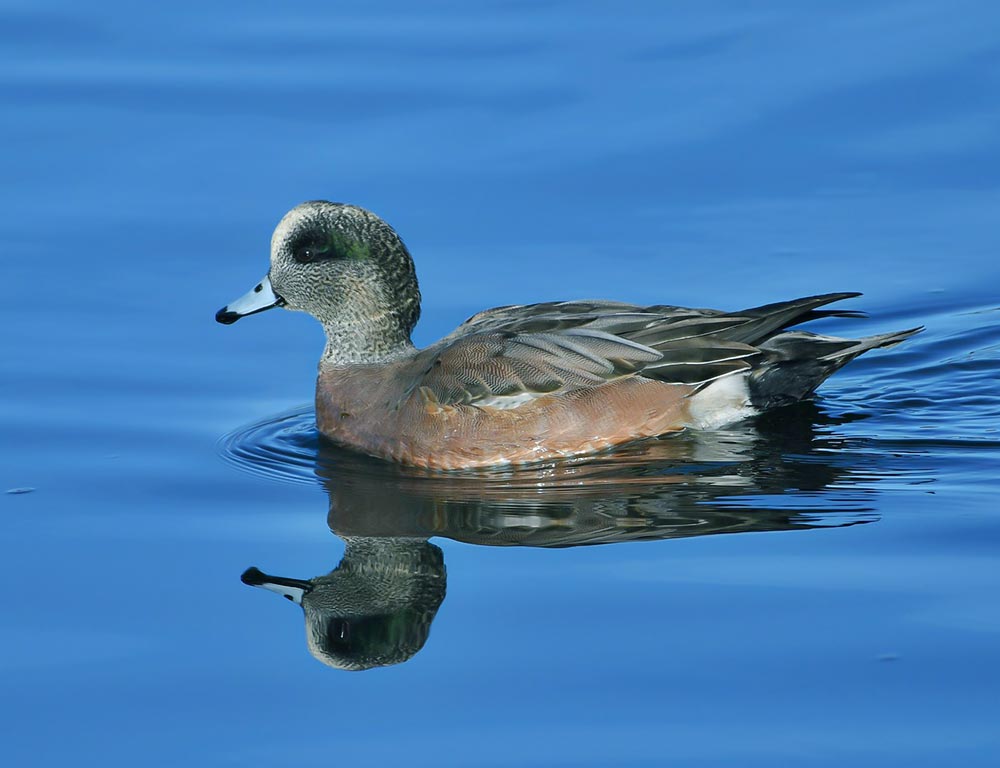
(292, 221)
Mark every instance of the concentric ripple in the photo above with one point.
(283, 447)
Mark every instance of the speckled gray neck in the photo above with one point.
(366, 341)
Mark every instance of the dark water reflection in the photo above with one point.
(779, 472)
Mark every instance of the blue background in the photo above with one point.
(709, 154)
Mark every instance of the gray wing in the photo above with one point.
(528, 350)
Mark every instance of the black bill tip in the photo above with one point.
(226, 317)
(253, 576)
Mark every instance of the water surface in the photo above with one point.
(590, 614)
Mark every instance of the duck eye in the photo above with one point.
(316, 247)
(305, 253)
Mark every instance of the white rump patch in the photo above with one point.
(722, 402)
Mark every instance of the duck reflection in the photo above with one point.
(376, 607)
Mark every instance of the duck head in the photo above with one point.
(347, 268)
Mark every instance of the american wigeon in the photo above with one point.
(530, 382)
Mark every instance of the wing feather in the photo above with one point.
(517, 352)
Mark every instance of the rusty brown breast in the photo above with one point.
(370, 408)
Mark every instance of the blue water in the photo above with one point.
(711, 154)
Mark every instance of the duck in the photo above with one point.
(525, 383)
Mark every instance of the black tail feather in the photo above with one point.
(770, 319)
(797, 362)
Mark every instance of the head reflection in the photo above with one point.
(376, 607)
(372, 610)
